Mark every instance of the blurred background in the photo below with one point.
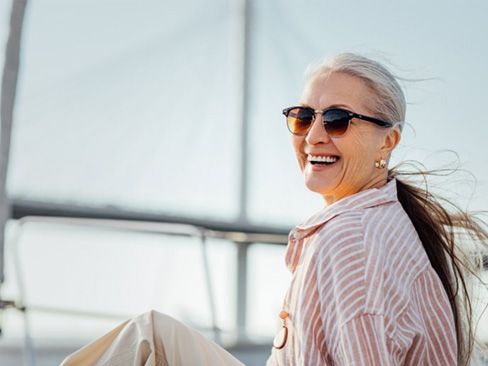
(146, 164)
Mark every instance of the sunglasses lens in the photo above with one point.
(299, 120)
(336, 122)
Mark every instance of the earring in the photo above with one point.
(380, 164)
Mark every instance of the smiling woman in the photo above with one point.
(378, 274)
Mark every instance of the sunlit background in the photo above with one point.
(161, 112)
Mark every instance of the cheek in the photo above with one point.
(358, 150)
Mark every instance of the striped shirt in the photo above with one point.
(363, 291)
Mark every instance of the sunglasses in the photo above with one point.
(336, 121)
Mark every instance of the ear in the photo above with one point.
(390, 141)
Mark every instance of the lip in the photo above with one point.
(321, 154)
(309, 155)
(320, 167)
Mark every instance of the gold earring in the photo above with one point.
(380, 164)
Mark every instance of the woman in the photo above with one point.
(374, 272)
(371, 282)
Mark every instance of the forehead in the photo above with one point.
(336, 88)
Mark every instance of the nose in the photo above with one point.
(317, 133)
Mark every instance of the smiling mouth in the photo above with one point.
(322, 159)
(322, 163)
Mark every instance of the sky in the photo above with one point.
(136, 105)
(153, 105)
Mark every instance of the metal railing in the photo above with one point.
(119, 220)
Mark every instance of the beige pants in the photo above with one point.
(152, 339)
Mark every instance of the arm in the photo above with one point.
(353, 323)
(363, 342)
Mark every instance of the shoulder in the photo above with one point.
(344, 229)
(374, 251)
(340, 258)
(362, 228)
(381, 219)
(391, 239)
(385, 221)
(385, 226)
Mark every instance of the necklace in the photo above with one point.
(280, 339)
(282, 336)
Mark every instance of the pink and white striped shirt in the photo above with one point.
(363, 291)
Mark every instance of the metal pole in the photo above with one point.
(242, 250)
(7, 103)
(210, 292)
(242, 20)
(9, 88)
(243, 57)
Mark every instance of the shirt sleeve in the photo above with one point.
(363, 342)
(355, 333)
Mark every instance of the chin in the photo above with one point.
(319, 187)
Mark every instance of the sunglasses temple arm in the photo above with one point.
(379, 122)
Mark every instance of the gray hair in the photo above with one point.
(388, 98)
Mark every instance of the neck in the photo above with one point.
(376, 182)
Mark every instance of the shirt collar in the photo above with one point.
(367, 198)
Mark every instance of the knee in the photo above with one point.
(158, 319)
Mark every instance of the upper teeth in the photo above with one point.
(322, 158)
